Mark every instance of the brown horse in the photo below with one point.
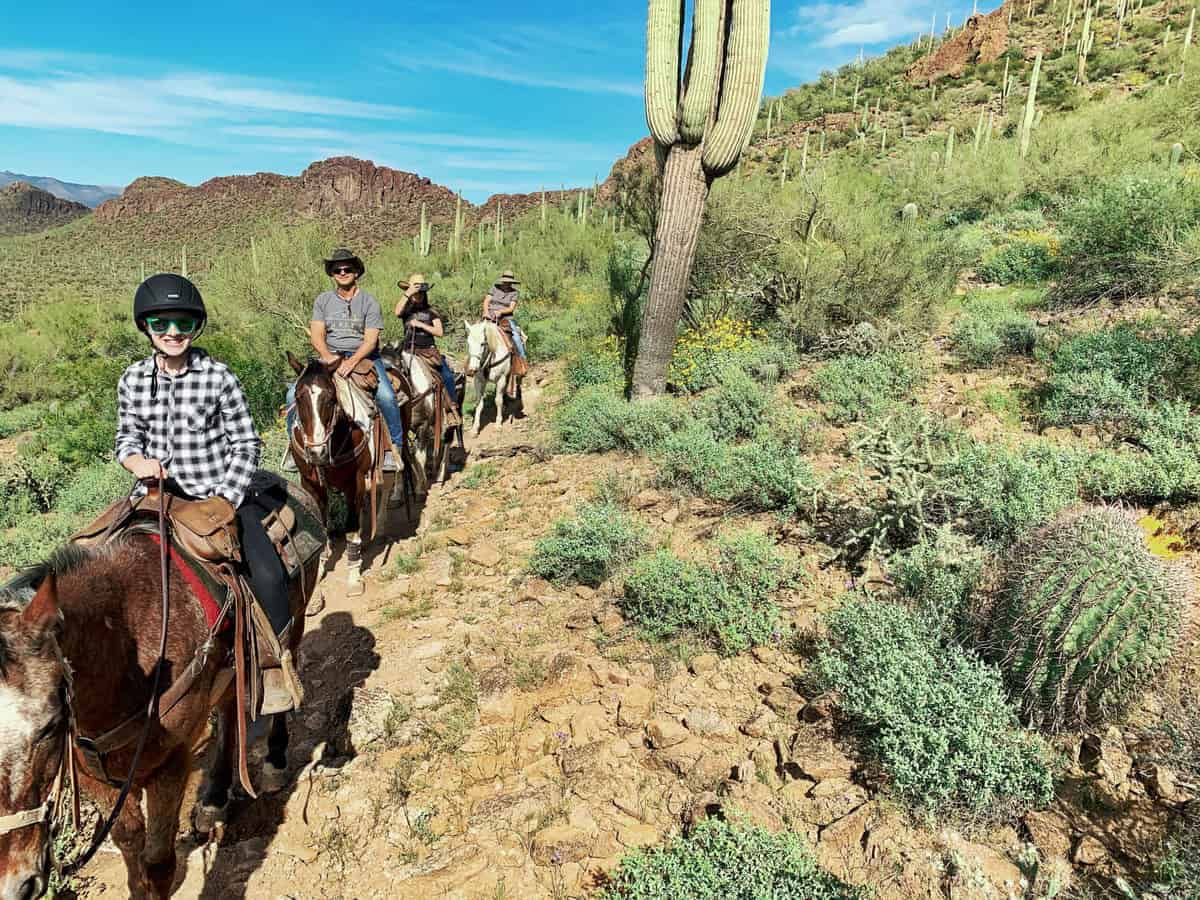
(79, 660)
(331, 450)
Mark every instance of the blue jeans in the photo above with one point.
(448, 378)
(518, 339)
(385, 398)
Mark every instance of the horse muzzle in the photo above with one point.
(29, 881)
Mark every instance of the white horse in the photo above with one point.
(489, 361)
(422, 421)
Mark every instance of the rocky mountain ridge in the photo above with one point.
(25, 208)
(89, 195)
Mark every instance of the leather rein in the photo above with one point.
(67, 767)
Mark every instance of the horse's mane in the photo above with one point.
(313, 367)
(16, 593)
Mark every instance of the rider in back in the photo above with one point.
(499, 305)
(422, 326)
(346, 324)
(182, 417)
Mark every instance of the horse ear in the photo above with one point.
(295, 363)
(42, 612)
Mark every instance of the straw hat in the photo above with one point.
(415, 284)
(507, 277)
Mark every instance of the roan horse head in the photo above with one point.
(34, 720)
(317, 409)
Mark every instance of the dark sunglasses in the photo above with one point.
(162, 324)
(343, 270)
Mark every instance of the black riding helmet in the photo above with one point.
(167, 292)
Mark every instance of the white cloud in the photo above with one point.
(862, 22)
(464, 61)
(160, 107)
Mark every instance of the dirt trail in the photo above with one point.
(472, 732)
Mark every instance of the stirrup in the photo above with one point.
(281, 688)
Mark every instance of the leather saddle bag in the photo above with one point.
(365, 377)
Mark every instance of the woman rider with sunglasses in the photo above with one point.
(184, 418)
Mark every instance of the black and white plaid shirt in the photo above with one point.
(196, 424)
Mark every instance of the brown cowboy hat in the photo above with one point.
(507, 277)
(342, 255)
(415, 284)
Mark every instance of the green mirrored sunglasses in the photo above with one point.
(162, 324)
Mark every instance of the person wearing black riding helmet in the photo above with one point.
(183, 418)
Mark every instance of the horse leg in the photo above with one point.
(480, 396)
(213, 802)
(128, 833)
(274, 769)
(354, 548)
(500, 403)
(164, 796)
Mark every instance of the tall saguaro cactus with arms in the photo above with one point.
(701, 123)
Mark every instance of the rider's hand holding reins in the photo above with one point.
(146, 469)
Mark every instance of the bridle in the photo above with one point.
(306, 447)
(488, 354)
(66, 766)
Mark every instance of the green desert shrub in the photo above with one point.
(1023, 261)
(937, 577)
(1085, 617)
(761, 475)
(93, 488)
(1119, 238)
(719, 860)
(594, 366)
(990, 329)
(857, 387)
(29, 486)
(935, 718)
(21, 419)
(1001, 493)
(589, 547)
(596, 418)
(724, 603)
(736, 407)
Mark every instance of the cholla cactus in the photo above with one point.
(1085, 617)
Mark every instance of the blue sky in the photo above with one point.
(481, 97)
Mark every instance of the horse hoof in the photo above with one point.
(316, 605)
(207, 819)
(273, 779)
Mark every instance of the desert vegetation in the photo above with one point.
(925, 441)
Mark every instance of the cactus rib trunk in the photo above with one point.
(681, 209)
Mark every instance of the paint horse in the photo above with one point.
(331, 449)
(422, 383)
(79, 659)
(489, 361)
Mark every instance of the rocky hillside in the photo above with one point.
(90, 195)
(25, 209)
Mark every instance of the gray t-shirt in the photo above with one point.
(500, 298)
(347, 320)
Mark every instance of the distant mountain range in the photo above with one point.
(25, 209)
(90, 195)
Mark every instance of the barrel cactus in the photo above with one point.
(1084, 617)
(701, 122)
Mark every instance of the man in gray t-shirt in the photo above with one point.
(347, 322)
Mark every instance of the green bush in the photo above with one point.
(1001, 493)
(736, 407)
(991, 329)
(29, 486)
(594, 366)
(725, 604)
(21, 419)
(760, 475)
(723, 861)
(596, 419)
(937, 578)
(588, 548)
(93, 488)
(1094, 397)
(936, 719)
(1119, 238)
(857, 387)
(1019, 262)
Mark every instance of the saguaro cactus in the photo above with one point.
(701, 123)
(1030, 106)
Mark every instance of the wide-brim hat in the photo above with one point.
(415, 284)
(342, 255)
(507, 277)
